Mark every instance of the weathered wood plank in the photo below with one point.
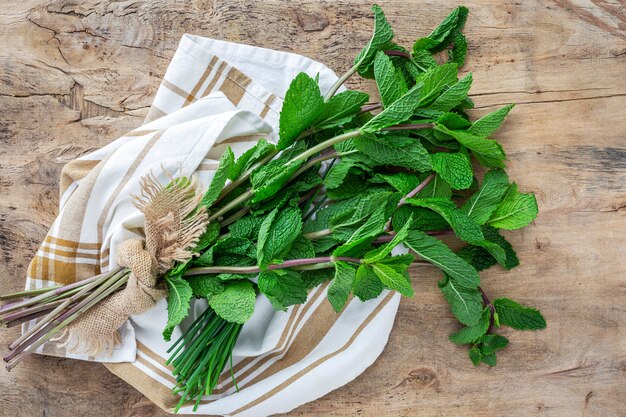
(75, 75)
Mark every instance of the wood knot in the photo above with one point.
(421, 378)
(312, 21)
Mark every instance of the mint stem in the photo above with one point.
(28, 293)
(244, 177)
(338, 84)
(370, 107)
(293, 263)
(231, 205)
(487, 303)
(402, 54)
(326, 144)
(411, 194)
(405, 55)
(416, 190)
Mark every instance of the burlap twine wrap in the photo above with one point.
(173, 224)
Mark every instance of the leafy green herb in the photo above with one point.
(347, 183)
(303, 104)
(515, 315)
(515, 211)
(235, 303)
(179, 295)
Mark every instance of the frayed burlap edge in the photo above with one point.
(174, 222)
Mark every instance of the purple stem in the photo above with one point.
(403, 54)
(27, 312)
(370, 107)
(48, 294)
(30, 317)
(389, 237)
(308, 261)
(416, 190)
(255, 269)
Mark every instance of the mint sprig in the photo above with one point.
(348, 181)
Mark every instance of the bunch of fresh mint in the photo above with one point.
(346, 183)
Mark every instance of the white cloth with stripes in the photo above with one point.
(215, 92)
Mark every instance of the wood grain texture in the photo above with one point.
(74, 75)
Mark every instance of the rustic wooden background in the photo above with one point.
(76, 74)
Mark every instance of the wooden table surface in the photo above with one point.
(74, 76)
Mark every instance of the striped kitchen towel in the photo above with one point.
(214, 94)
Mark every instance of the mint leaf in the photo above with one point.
(383, 251)
(436, 188)
(235, 303)
(510, 257)
(246, 227)
(337, 174)
(363, 235)
(398, 112)
(399, 262)
(491, 343)
(366, 284)
(452, 121)
(454, 95)
(381, 38)
(481, 205)
(423, 219)
(300, 249)
(422, 60)
(434, 80)
(470, 334)
(459, 50)
(278, 231)
(463, 225)
(393, 279)
(391, 85)
(271, 178)
(439, 254)
(341, 109)
(395, 150)
(205, 286)
(250, 157)
(282, 290)
(515, 315)
(489, 359)
(445, 33)
(454, 168)
(401, 181)
(491, 122)
(340, 286)
(179, 294)
(208, 237)
(302, 106)
(487, 151)
(465, 303)
(477, 256)
(474, 355)
(515, 211)
(315, 277)
(219, 179)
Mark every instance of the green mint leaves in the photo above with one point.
(445, 33)
(278, 231)
(235, 303)
(179, 295)
(515, 211)
(517, 316)
(380, 39)
(302, 106)
(350, 180)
